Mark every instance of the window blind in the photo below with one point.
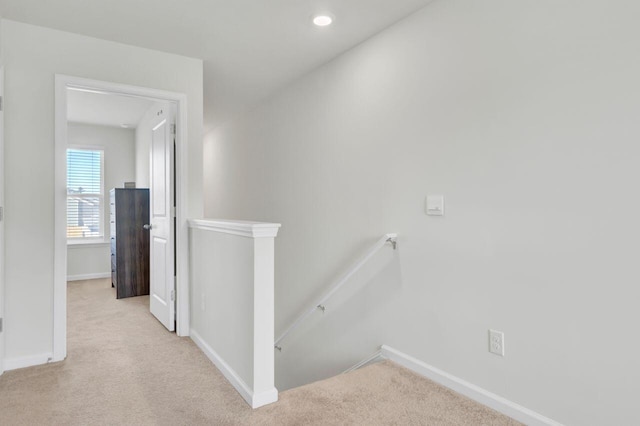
(85, 193)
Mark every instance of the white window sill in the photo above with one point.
(87, 243)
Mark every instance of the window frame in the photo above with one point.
(103, 238)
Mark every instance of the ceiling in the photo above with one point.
(250, 48)
(105, 109)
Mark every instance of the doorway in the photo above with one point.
(174, 192)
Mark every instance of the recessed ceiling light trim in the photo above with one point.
(322, 19)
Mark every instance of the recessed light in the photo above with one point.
(125, 125)
(322, 20)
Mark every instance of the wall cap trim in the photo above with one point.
(244, 228)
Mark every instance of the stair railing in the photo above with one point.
(320, 303)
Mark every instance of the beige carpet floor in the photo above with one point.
(124, 368)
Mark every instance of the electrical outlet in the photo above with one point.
(496, 342)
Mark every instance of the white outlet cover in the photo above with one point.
(496, 342)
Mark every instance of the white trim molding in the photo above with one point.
(243, 228)
(484, 397)
(371, 359)
(62, 83)
(87, 244)
(2, 234)
(27, 361)
(255, 400)
(83, 277)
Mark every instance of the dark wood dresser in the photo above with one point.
(129, 241)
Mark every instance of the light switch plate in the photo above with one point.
(435, 205)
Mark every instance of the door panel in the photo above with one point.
(158, 174)
(162, 273)
(160, 250)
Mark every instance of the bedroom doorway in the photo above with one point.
(169, 109)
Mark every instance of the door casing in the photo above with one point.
(62, 83)
(2, 333)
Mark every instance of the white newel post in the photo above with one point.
(222, 252)
(263, 322)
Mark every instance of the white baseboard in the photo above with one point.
(88, 276)
(253, 399)
(265, 398)
(484, 397)
(377, 355)
(27, 361)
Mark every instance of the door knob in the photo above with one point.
(147, 227)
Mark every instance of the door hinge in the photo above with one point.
(1, 214)
(173, 295)
(173, 129)
(1, 103)
(1, 327)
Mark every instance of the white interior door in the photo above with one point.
(162, 212)
(2, 333)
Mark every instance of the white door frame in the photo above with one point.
(62, 83)
(2, 235)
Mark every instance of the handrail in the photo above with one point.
(319, 304)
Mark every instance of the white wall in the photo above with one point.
(222, 296)
(525, 115)
(33, 55)
(119, 167)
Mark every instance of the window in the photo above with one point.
(85, 194)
